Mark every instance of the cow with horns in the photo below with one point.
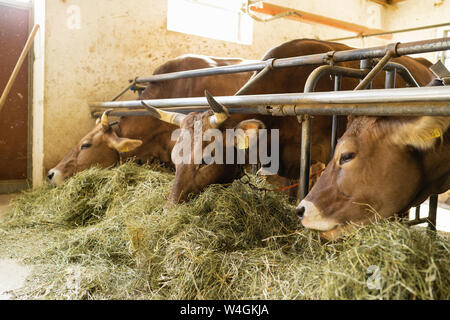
(192, 177)
(146, 139)
(359, 185)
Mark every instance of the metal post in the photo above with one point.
(365, 64)
(335, 120)
(433, 212)
(305, 156)
(390, 79)
(389, 84)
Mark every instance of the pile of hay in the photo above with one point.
(106, 234)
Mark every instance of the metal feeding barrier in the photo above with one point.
(430, 101)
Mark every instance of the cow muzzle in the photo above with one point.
(312, 218)
(55, 177)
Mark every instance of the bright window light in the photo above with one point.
(216, 19)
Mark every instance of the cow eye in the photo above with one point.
(346, 157)
(85, 146)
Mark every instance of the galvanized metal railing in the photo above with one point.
(401, 49)
(432, 101)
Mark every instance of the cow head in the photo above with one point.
(377, 171)
(202, 137)
(100, 147)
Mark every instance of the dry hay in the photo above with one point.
(105, 234)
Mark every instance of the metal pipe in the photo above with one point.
(432, 212)
(335, 119)
(255, 66)
(306, 138)
(372, 74)
(361, 73)
(251, 82)
(390, 79)
(403, 72)
(305, 156)
(321, 71)
(426, 95)
(416, 221)
(406, 48)
(392, 32)
(356, 109)
(123, 91)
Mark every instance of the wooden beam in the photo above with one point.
(384, 3)
(303, 16)
(387, 3)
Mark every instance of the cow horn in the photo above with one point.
(221, 113)
(170, 117)
(104, 120)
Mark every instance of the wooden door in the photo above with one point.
(14, 30)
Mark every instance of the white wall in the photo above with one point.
(410, 14)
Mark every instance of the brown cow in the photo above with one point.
(146, 138)
(382, 166)
(192, 178)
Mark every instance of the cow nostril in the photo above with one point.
(50, 176)
(300, 212)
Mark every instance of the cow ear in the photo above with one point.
(420, 132)
(124, 145)
(350, 119)
(247, 131)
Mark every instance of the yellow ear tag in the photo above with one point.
(124, 149)
(243, 143)
(434, 134)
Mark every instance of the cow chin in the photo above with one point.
(337, 232)
(344, 229)
(314, 219)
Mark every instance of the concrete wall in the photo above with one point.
(410, 14)
(117, 40)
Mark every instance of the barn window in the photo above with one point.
(216, 19)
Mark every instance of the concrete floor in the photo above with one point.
(12, 277)
(12, 274)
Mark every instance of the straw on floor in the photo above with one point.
(107, 234)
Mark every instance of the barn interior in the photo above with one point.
(89, 51)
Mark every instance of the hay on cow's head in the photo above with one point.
(106, 234)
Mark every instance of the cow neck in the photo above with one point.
(433, 171)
